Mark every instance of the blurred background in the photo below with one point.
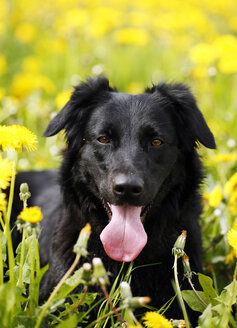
(47, 47)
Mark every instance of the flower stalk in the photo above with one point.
(19, 283)
(1, 260)
(32, 274)
(80, 250)
(233, 289)
(100, 276)
(179, 293)
(11, 259)
(178, 251)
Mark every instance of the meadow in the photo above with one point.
(48, 47)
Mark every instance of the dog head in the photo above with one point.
(128, 147)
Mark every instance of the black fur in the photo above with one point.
(169, 176)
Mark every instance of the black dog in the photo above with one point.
(130, 169)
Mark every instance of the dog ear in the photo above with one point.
(86, 96)
(58, 122)
(192, 125)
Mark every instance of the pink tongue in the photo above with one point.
(124, 237)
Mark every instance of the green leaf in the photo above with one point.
(226, 294)
(24, 321)
(7, 304)
(70, 284)
(222, 314)
(206, 320)
(26, 270)
(70, 322)
(90, 298)
(193, 301)
(207, 286)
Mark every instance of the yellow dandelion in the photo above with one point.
(3, 202)
(231, 185)
(232, 204)
(230, 257)
(3, 64)
(134, 36)
(15, 137)
(234, 226)
(5, 172)
(2, 93)
(28, 82)
(215, 197)
(25, 32)
(203, 53)
(232, 239)
(225, 157)
(156, 320)
(62, 98)
(31, 214)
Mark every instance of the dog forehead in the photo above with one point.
(126, 108)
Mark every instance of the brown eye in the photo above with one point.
(156, 142)
(103, 140)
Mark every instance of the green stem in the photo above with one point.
(92, 324)
(11, 259)
(233, 289)
(56, 289)
(32, 275)
(196, 293)
(11, 193)
(37, 265)
(2, 222)
(132, 316)
(112, 306)
(80, 301)
(19, 283)
(1, 260)
(179, 293)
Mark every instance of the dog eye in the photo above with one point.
(156, 142)
(103, 140)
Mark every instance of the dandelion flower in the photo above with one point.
(31, 214)
(156, 320)
(230, 258)
(233, 203)
(3, 202)
(231, 184)
(232, 239)
(215, 197)
(15, 137)
(5, 172)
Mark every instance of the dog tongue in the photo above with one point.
(124, 237)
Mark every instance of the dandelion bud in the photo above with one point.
(99, 272)
(86, 273)
(136, 302)
(125, 290)
(178, 323)
(178, 248)
(80, 247)
(24, 192)
(186, 266)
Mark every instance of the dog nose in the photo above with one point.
(127, 185)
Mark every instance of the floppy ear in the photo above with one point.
(58, 122)
(85, 97)
(191, 123)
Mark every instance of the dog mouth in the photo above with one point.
(144, 209)
(124, 237)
